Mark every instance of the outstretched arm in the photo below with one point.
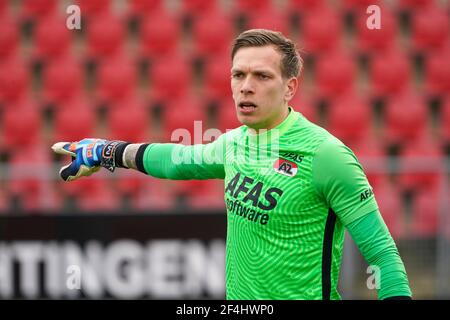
(175, 161)
(161, 160)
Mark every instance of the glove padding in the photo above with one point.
(86, 157)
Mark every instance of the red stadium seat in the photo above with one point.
(105, 36)
(405, 118)
(129, 182)
(349, 118)
(81, 186)
(187, 189)
(14, 80)
(21, 126)
(335, 74)
(129, 123)
(425, 215)
(391, 208)
(117, 79)
(217, 77)
(445, 121)
(304, 104)
(430, 29)
(93, 194)
(4, 8)
(182, 114)
(145, 7)
(390, 73)
(98, 197)
(270, 20)
(170, 77)
(62, 80)
(416, 4)
(300, 5)
(359, 4)
(9, 37)
(209, 196)
(252, 7)
(37, 196)
(421, 165)
(160, 35)
(38, 8)
(52, 38)
(376, 40)
(29, 173)
(212, 38)
(74, 121)
(154, 195)
(94, 8)
(315, 29)
(437, 73)
(199, 7)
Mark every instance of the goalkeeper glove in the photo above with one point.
(88, 156)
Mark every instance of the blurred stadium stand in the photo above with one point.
(137, 70)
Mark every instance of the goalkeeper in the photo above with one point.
(290, 186)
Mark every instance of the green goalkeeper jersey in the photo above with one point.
(289, 192)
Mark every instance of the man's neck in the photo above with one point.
(256, 131)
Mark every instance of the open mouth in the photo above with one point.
(247, 106)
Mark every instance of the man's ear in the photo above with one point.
(291, 88)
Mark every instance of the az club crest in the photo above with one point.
(285, 167)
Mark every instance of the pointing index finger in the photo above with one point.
(65, 148)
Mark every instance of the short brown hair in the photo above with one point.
(291, 61)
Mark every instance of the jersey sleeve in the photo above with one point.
(340, 181)
(180, 162)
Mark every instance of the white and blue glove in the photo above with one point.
(88, 156)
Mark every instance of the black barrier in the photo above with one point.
(119, 256)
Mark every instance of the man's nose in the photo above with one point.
(247, 86)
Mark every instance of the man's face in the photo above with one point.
(260, 92)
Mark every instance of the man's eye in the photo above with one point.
(237, 75)
(263, 76)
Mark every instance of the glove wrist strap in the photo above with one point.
(112, 155)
